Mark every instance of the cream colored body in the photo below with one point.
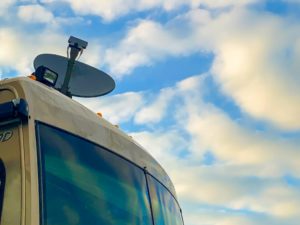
(51, 107)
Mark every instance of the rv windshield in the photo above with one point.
(84, 184)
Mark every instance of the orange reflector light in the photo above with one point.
(32, 77)
(99, 114)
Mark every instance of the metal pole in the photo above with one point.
(73, 55)
(65, 86)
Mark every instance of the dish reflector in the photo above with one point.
(86, 81)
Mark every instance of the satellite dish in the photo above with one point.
(85, 81)
(71, 77)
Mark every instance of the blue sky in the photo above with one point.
(209, 87)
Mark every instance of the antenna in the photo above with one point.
(71, 77)
(75, 47)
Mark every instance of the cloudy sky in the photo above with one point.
(210, 87)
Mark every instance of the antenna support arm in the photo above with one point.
(76, 47)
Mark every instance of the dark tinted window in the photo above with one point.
(84, 184)
(165, 208)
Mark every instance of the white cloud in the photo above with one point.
(259, 72)
(292, 1)
(158, 107)
(28, 1)
(35, 14)
(117, 108)
(93, 55)
(165, 146)
(4, 7)
(280, 201)
(223, 217)
(155, 112)
(234, 144)
(106, 9)
(19, 50)
(113, 9)
(270, 155)
(9, 45)
(147, 42)
(226, 3)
